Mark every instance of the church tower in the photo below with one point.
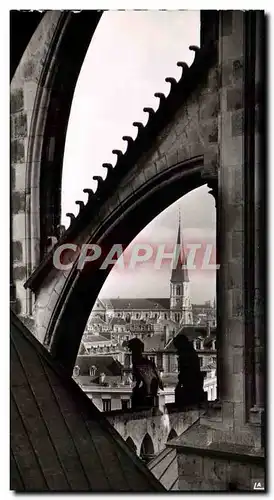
(180, 304)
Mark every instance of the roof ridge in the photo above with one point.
(83, 399)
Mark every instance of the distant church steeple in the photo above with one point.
(179, 273)
(180, 304)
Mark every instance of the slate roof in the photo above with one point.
(154, 343)
(170, 347)
(138, 304)
(95, 338)
(162, 303)
(60, 441)
(97, 320)
(104, 364)
(99, 305)
(118, 321)
(192, 333)
(82, 349)
(165, 468)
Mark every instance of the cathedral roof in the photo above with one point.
(129, 304)
(162, 303)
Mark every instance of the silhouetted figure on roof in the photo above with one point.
(146, 376)
(189, 389)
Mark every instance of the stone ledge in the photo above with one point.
(133, 414)
(225, 451)
(172, 408)
(213, 414)
(211, 408)
(198, 440)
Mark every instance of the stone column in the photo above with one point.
(213, 186)
(28, 107)
(259, 222)
(240, 212)
(230, 220)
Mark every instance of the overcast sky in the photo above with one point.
(130, 55)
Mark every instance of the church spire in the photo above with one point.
(179, 274)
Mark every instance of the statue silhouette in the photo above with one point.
(189, 389)
(146, 376)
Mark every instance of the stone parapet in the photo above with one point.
(155, 423)
(210, 460)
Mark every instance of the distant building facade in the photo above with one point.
(155, 321)
(104, 381)
(145, 312)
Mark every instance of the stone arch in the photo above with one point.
(172, 434)
(147, 448)
(131, 444)
(42, 89)
(79, 290)
(233, 137)
(176, 152)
